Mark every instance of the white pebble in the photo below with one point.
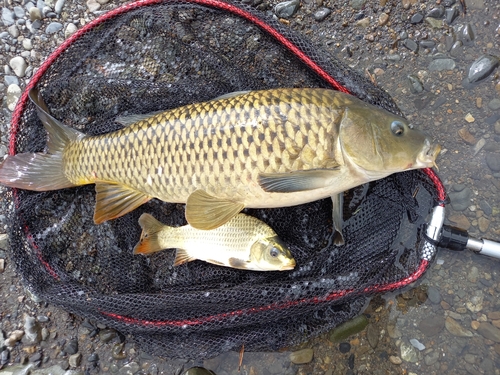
(417, 344)
(93, 5)
(70, 30)
(13, 95)
(58, 7)
(27, 45)
(18, 65)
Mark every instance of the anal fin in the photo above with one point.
(182, 257)
(338, 221)
(204, 211)
(114, 200)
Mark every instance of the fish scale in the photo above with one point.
(206, 144)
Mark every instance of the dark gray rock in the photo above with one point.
(427, 43)
(493, 162)
(411, 45)
(53, 27)
(461, 200)
(466, 34)
(457, 49)
(451, 14)
(434, 295)
(416, 85)
(442, 64)
(287, 9)
(494, 104)
(437, 12)
(482, 68)
(71, 347)
(489, 331)
(485, 206)
(417, 18)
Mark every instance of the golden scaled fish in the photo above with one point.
(244, 242)
(259, 149)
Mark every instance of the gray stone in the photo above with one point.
(52, 370)
(11, 80)
(489, 331)
(357, 4)
(466, 34)
(485, 206)
(75, 360)
(18, 12)
(32, 330)
(451, 14)
(417, 344)
(53, 27)
(287, 9)
(482, 68)
(437, 12)
(442, 64)
(372, 335)
(434, 295)
(493, 162)
(457, 49)
(7, 17)
(494, 104)
(321, 14)
(59, 5)
(129, 369)
(417, 18)
(431, 325)
(302, 356)
(14, 31)
(411, 45)
(13, 95)
(35, 14)
(431, 358)
(461, 200)
(71, 347)
(93, 5)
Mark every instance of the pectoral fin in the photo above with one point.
(296, 181)
(115, 200)
(338, 222)
(148, 242)
(206, 212)
(182, 257)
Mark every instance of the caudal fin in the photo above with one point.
(149, 238)
(40, 171)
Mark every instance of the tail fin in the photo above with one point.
(149, 238)
(38, 171)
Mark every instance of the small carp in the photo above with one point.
(258, 149)
(244, 242)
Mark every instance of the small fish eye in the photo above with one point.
(397, 128)
(274, 252)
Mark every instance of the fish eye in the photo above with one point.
(397, 128)
(274, 252)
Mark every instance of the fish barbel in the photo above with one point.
(244, 242)
(259, 149)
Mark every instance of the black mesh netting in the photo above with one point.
(166, 54)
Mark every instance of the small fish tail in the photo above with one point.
(149, 242)
(40, 171)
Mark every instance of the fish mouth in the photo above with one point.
(428, 155)
(287, 267)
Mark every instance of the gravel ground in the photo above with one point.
(447, 324)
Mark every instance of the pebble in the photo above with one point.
(14, 31)
(482, 68)
(53, 27)
(456, 329)
(416, 85)
(417, 344)
(488, 331)
(344, 347)
(11, 80)
(442, 64)
(411, 45)
(7, 17)
(434, 23)
(451, 14)
(372, 335)
(286, 9)
(383, 19)
(75, 360)
(431, 325)
(461, 200)
(93, 5)
(465, 134)
(483, 224)
(71, 347)
(13, 95)
(417, 18)
(70, 30)
(493, 162)
(473, 274)
(457, 49)
(460, 220)
(59, 5)
(35, 14)
(27, 45)
(301, 357)
(32, 330)
(494, 104)
(466, 34)
(357, 4)
(18, 65)
(52, 370)
(321, 14)
(14, 337)
(431, 358)
(395, 360)
(437, 12)
(408, 353)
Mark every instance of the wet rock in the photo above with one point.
(117, 351)
(457, 49)
(395, 360)
(417, 18)
(473, 274)
(53, 28)
(372, 335)
(383, 19)
(7, 17)
(52, 370)
(59, 5)
(494, 104)
(431, 358)
(460, 220)
(13, 95)
(408, 353)
(35, 14)
(451, 14)
(434, 23)
(18, 65)
(493, 162)
(433, 295)
(488, 331)
(442, 64)
(431, 325)
(437, 12)
(456, 329)
(32, 330)
(71, 347)
(357, 4)
(466, 34)
(461, 200)
(411, 45)
(344, 347)
(287, 9)
(483, 224)
(416, 85)
(417, 344)
(302, 356)
(427, 44)
(106, 335)
(349, 328)
(482, 68)
(321, 14)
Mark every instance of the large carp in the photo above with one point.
(259, 149)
